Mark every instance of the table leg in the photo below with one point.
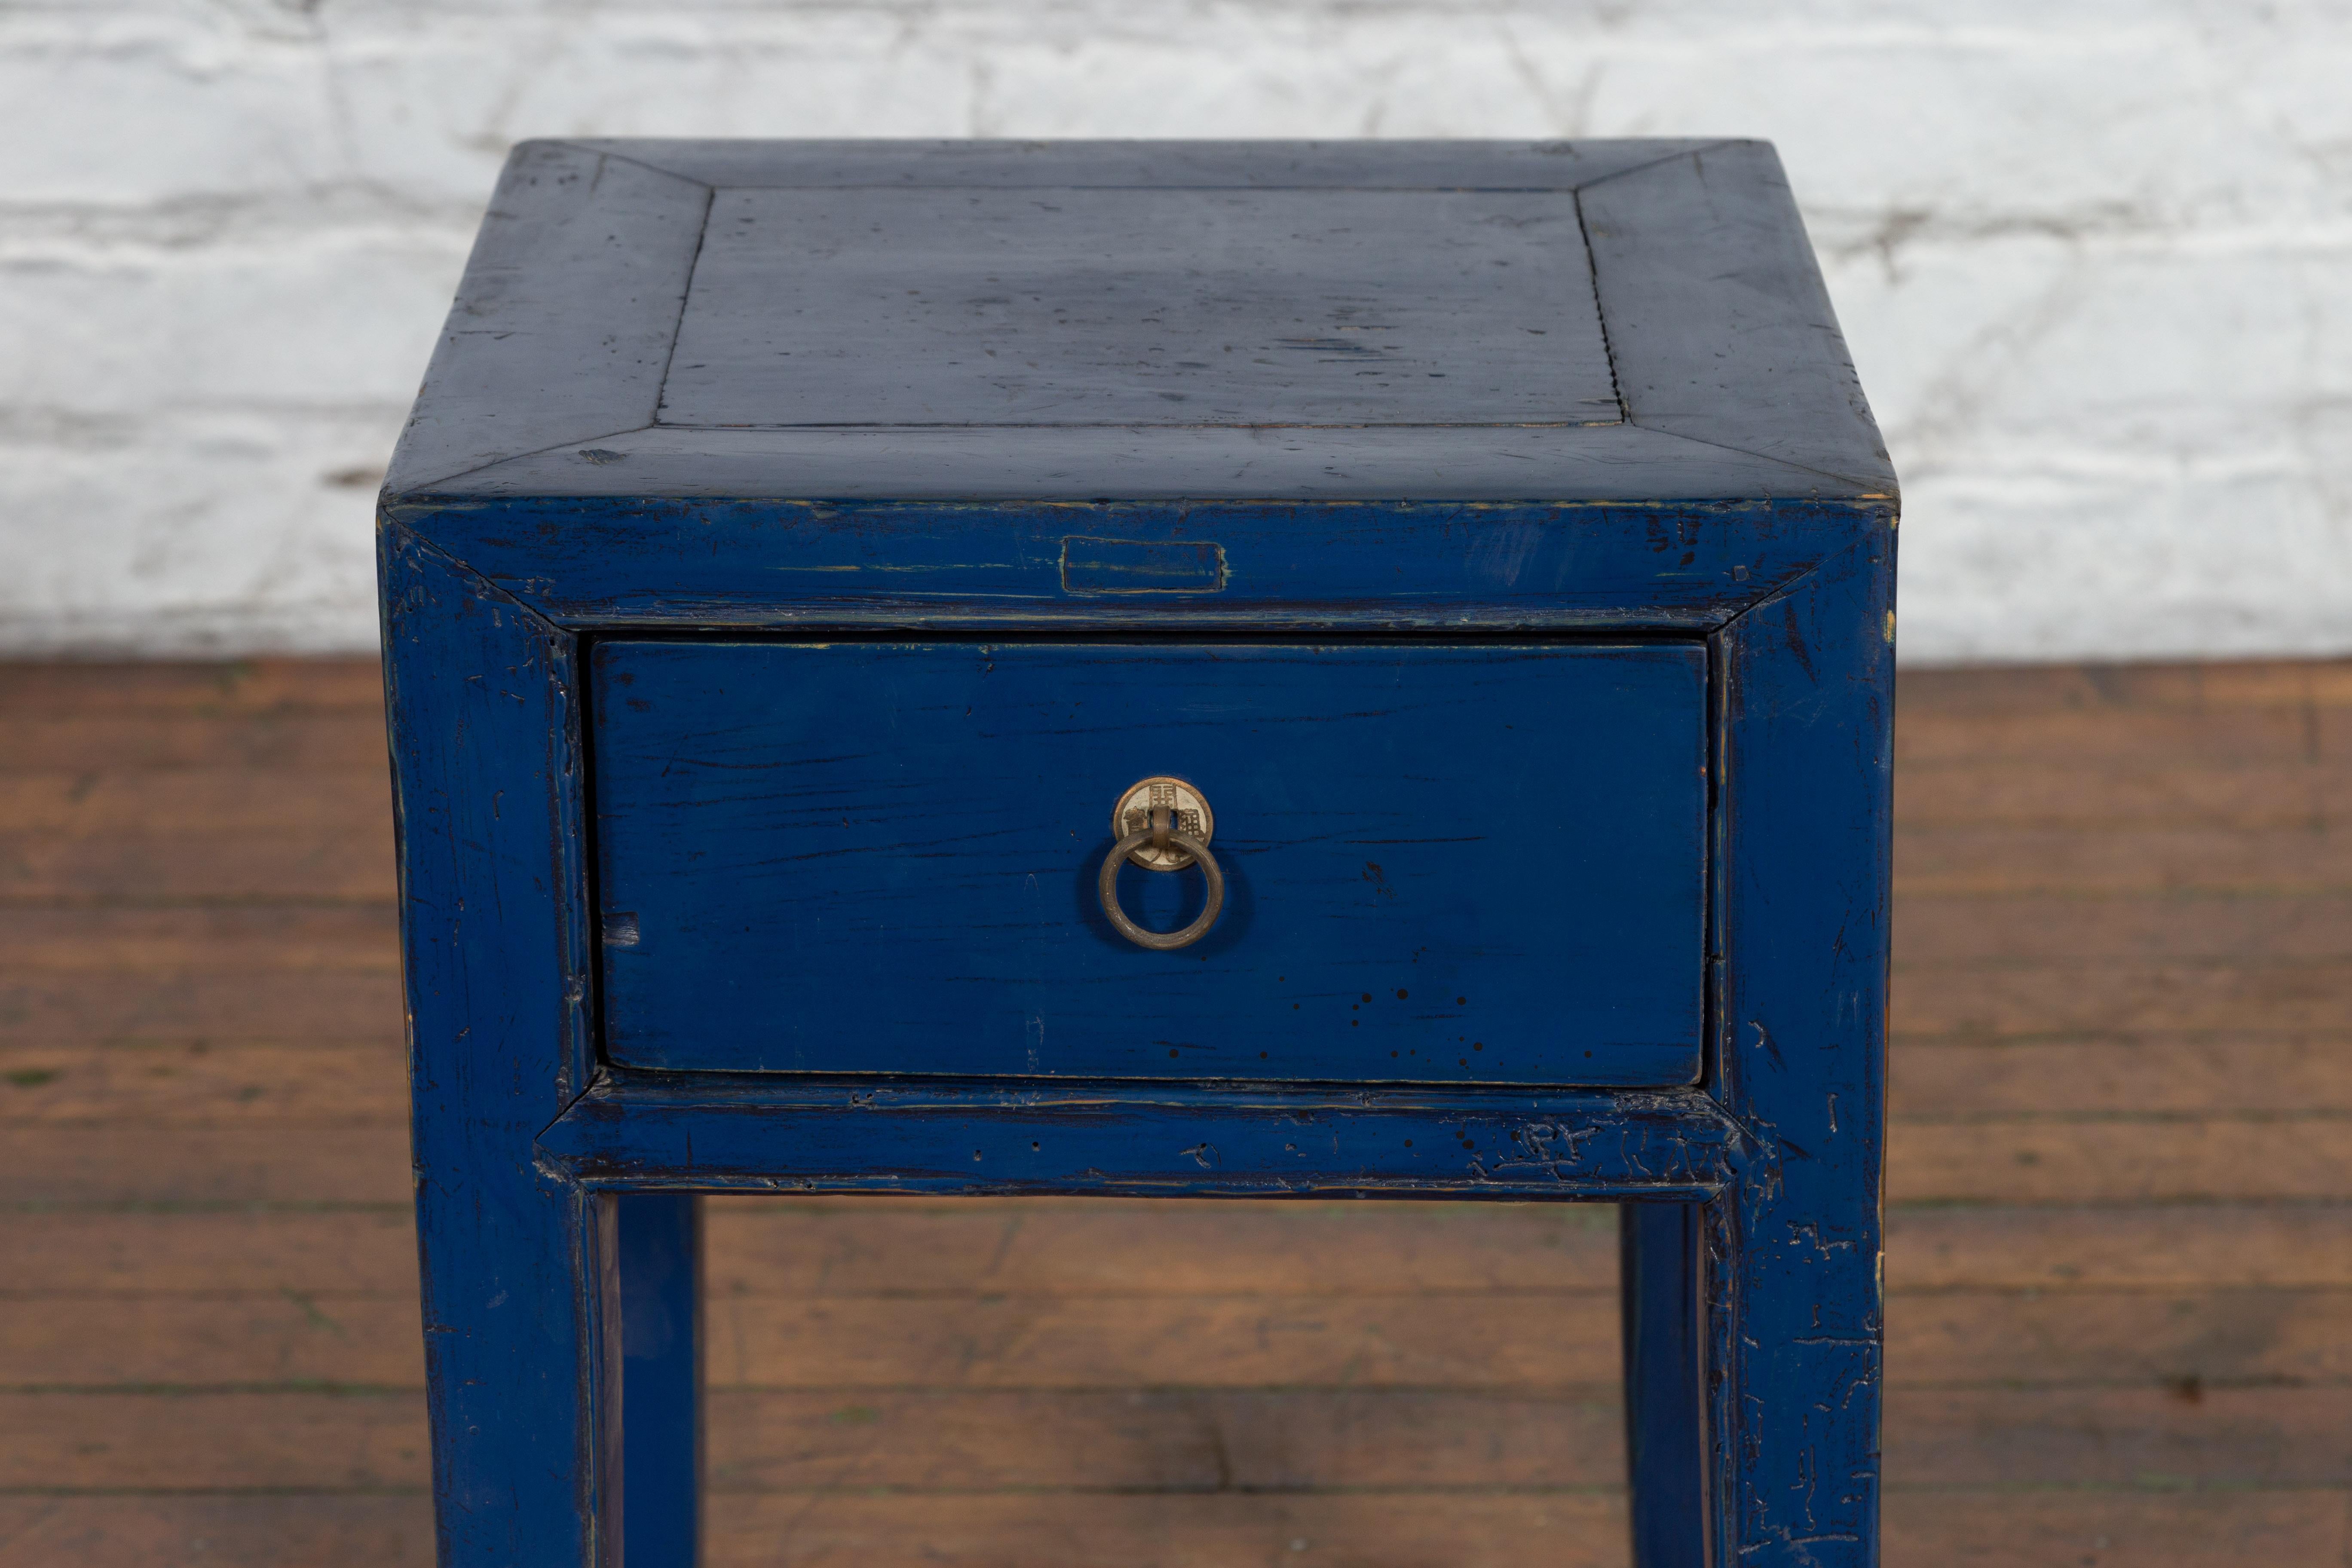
(516, 1267)
(661, 1371)
(1793, 1370)
(1666, 1434)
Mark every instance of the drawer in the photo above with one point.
(1442, 861)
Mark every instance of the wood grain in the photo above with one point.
(2148, 860)
(1945, 1338)
(201, 1252)
(231, 866)
(194, 800)
(112, 1164)
(1190, 1246)
(200, 1084)
(287, 1337)
(1490, 1343)
(312, 1007)
(2139, 1246)
(2182, 1340)
(337, 743)
(158, 690)
(1932, 697)
(183, 1532)
(258, 942)
(1411, 1528)
(2177, 1339)
(1932, 930)
(2119, 997)
(2140, 1159)
(2133, 1527)
(231, 1442)
(1210, 1440)
(2230, 736)
(2272, 1437)
(2107, 1529)
(1163, 1440)
(2218, 1074)
(2121, 793)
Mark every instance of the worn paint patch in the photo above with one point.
(1091, 565)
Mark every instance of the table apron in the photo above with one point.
(765, 1134)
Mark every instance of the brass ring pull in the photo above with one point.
(1107, 885)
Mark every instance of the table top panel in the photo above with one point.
(1081, 322)
(1124, 306)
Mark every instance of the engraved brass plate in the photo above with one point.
(1188, 814)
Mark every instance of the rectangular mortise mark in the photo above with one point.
(1141, 566)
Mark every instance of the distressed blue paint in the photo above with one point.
(658, 560)
(712, 1131)
(517, 1263)
(661, 1369)
(1452, 864)
(1665, 1418)
(540, 505)
(1795, 1264)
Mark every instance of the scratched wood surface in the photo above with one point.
(2120, 1220)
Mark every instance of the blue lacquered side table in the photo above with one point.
(1238, 669)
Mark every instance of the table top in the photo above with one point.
(1143, 320)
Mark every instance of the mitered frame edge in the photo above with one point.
(1793, 321)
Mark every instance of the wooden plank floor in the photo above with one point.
(2120, 1221)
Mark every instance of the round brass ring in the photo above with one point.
(1107, 885)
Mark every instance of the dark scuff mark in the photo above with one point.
(1795, 637)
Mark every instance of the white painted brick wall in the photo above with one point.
(2094, 256)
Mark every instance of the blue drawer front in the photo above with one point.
(1443, 862)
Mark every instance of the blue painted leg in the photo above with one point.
(1793, 1274)
(1795, 1380)
(520, 1351)
(1666, 1434)
(661, 1390)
